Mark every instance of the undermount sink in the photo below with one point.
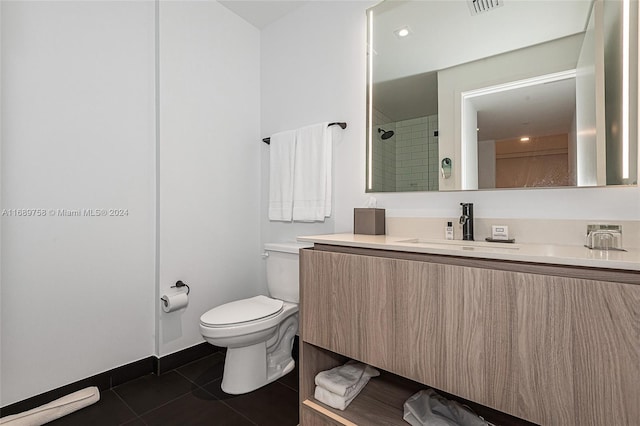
(460, 244)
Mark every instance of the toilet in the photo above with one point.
(258, 332)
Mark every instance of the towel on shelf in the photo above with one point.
(347, 380)
(281, 169)
(333, 400)
(343, 380)
(312, 173)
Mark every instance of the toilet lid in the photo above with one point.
(244, 310)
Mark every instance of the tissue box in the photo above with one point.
(368, 221)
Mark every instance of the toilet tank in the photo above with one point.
(283, 277)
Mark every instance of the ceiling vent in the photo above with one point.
(480, 6)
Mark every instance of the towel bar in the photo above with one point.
(341, 124)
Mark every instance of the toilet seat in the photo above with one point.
(242, 311)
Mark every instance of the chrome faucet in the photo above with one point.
(466, 220)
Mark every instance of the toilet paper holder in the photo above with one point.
(179, 284)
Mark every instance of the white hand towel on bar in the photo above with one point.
(281, 168)
(345, 379)
(312, 173)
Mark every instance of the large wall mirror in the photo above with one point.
(484, 94)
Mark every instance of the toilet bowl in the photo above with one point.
(258, 349)
(258, 332)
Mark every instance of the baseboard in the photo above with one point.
(116, 376)
(185, 356)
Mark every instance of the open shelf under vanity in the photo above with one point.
(380, 402)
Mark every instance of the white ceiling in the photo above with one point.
(262, 13)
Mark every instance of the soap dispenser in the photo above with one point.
(448, 231)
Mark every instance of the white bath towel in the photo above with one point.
(337, 401)
(333, 400)
(345, 379)
(281, 169)
(312, 173)
(55, 409)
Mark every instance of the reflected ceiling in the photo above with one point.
(436, 24)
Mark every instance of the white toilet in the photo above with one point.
(258, 332)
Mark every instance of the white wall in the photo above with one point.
(487, 164)
(209, 162)
(314, 69)
(78, 132)
(80, 294)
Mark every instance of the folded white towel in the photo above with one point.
(331, 399)
(337, 401)
(345, 379)
(281, 168)
(55, 409)
(312, 173)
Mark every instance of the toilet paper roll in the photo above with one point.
(174, 302)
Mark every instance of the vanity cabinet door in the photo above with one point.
(601, 351)
(478, 325)
(455, 325)
(347, 305)
(542, 360)
(420, 300)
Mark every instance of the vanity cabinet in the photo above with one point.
(550, 344)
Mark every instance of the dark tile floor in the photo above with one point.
(191, 395)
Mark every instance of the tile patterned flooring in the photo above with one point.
(191, 396)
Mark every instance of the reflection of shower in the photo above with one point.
(385, 135)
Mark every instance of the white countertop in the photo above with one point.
(537, 253)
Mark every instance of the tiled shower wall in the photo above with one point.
(408, 161)
(384, 155)
(417, 154)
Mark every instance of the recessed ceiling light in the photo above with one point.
(403, 32)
